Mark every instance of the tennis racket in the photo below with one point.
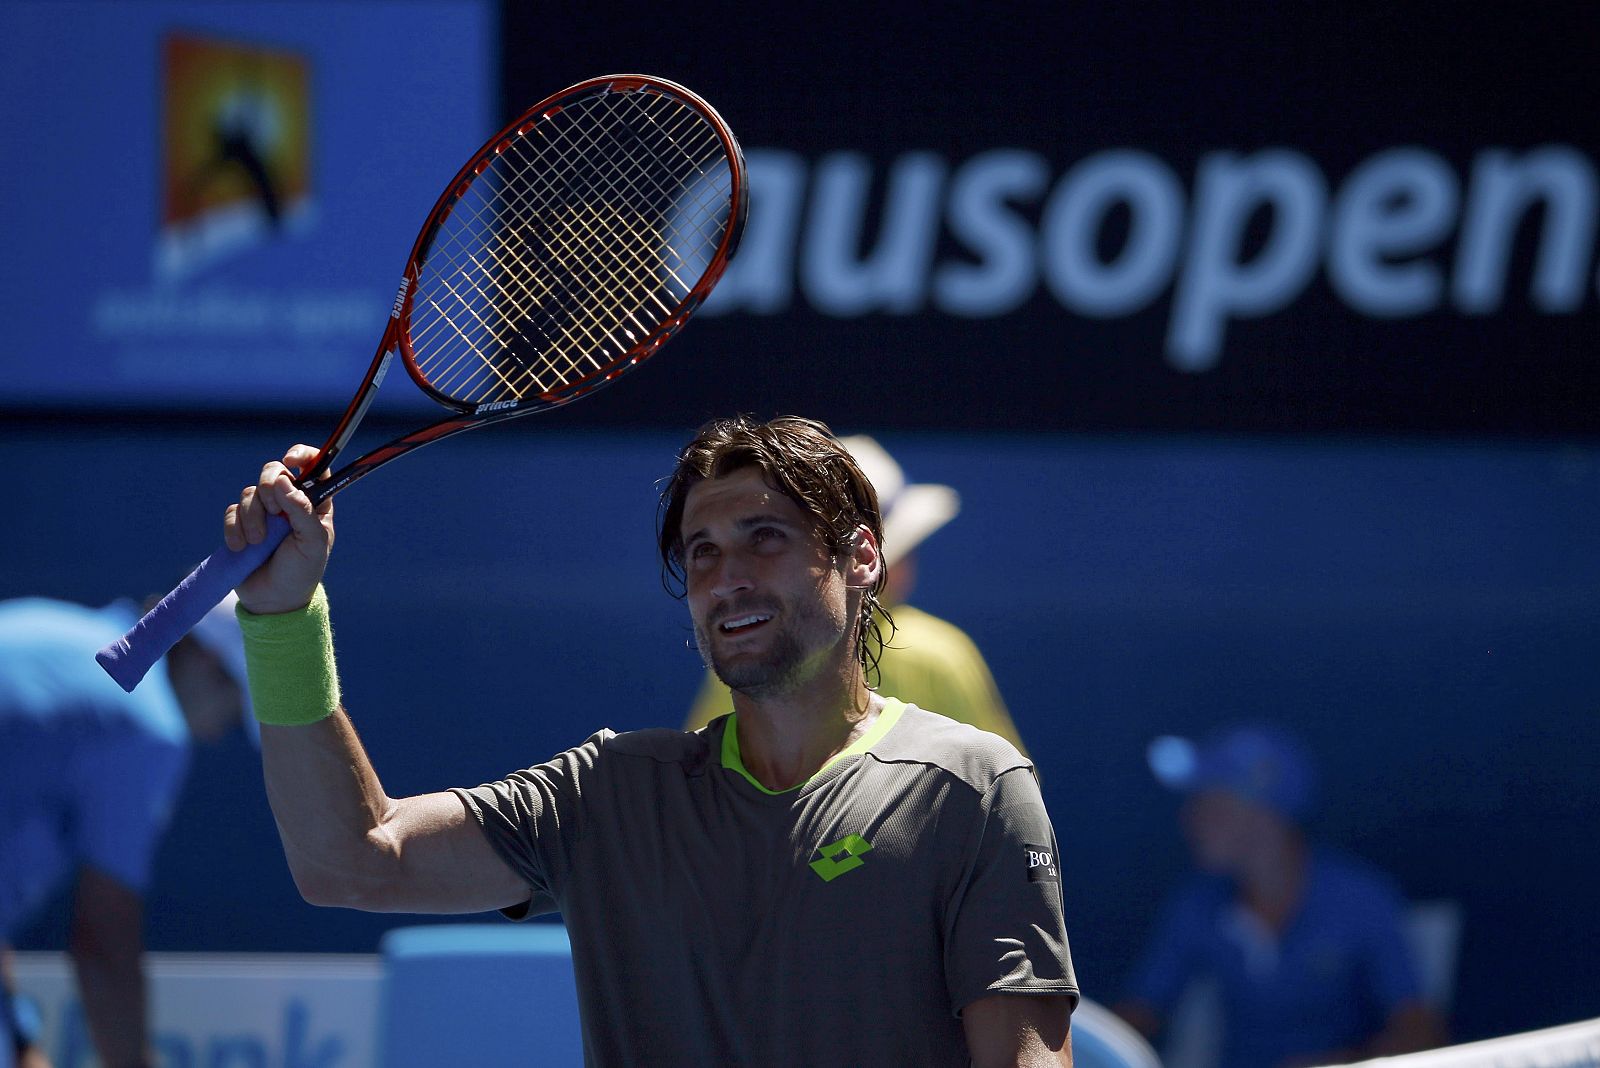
(566, 252)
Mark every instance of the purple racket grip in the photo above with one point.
(129, 657)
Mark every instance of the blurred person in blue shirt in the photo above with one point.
(88, 778)
(1305, 945)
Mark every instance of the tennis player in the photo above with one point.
(826, 875)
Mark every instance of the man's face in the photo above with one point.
(770, 604)
(1224, 829)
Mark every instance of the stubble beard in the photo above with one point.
(787, 663)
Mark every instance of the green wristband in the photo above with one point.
(289, 657)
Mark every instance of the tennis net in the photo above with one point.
(1574, 1045)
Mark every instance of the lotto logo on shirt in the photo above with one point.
(840, 857)
(1042, 865)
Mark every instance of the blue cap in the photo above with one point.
(1259, 764)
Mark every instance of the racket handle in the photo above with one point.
(128, 658)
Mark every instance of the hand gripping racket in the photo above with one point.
(565, 253)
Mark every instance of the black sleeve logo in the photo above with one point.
(1042, 865)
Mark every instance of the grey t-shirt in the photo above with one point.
(847, 921)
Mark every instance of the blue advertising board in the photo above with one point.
(213, 202)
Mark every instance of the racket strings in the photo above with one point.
(637, 273)
(616, 277)
(575, 338)
(577, 233)
(573, 245)
(644, 264)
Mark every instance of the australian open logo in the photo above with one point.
(236, 157)
(1042, 865)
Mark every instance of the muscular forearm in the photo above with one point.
(347, 842)
(331, 812)
(330, 807)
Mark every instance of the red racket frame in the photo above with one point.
(396, 336)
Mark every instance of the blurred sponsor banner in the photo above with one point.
(216, 1011)
(1149, 217)
(208, 204)
(1123, 217)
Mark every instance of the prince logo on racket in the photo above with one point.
(686, 865)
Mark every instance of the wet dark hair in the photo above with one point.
(801, 459)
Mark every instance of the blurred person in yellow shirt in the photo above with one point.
(929, 662)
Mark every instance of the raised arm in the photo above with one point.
(347, 842)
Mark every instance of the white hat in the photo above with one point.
(910, 512)
(218, 633)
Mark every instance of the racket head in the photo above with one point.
(571, 247)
